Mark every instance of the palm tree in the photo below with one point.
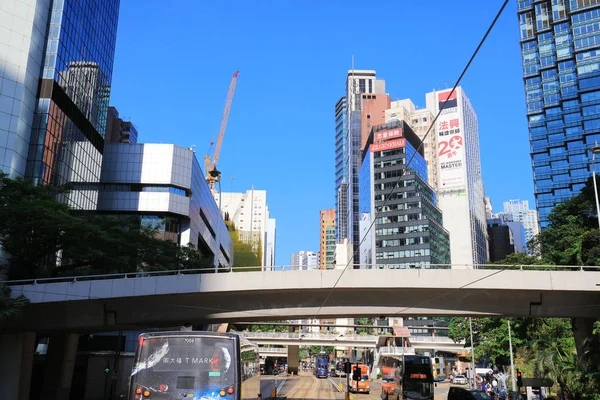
(10, 308)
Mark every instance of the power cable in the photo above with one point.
(403, 170)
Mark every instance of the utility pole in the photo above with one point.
(512, 365)
(472, 356)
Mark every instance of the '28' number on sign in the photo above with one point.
(454, 143)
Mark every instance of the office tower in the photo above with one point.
(358, 83)
(460, 186)
(420, 121)
(250, 214)
(327, 239)
(73, 79)
(500, 238)
(408, 230)
(519, 212)
(560, 72)
(305, 260)
(341, 169)
(119, 130)
(165, 186)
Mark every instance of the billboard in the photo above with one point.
(388, 134)
(451, 144)
(452, 100)
(388, 145)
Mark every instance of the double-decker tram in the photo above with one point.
(194, 366)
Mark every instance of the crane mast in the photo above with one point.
(212, 174)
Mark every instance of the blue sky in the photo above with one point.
(174, 62)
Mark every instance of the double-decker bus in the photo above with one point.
(437, 366)
(406, 377)
(194, 365)
(322, 365)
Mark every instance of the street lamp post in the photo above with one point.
(472, 355)
(217, 175)
(595, 150)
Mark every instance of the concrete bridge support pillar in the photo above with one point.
(16, 350)
(584, 338)
(60, 362)
(293, 359)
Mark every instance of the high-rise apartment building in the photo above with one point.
(56, 72)
(408, 229)
(250, 214)
(305, 260)
(501, 240)
(327, 239)
(362, 88)
(420, 121)
(519, 212)
(460, 185)
(119, 130)
(561, 72)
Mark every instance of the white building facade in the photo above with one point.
(460, 184)
(520, 212)
(250, 214)
(305, 260)
(420, 121)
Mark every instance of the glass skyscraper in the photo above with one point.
(341, 169)
(69, 122)
(560, 43)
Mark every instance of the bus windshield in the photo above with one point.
(197, 366)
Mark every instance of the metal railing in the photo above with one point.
(328, 269)
(281, 350)
(434, 339)
(395, 350)
(309, 336)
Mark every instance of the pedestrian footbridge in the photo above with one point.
(166, 299)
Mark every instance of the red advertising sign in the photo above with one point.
(388, 145)
(388, 134)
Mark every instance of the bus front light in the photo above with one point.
(138, 391)
(146, 393)
(222, 393)
(230, 390)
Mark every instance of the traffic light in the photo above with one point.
(519, 379)
(356, 374)
(347, 367)
(106, 370)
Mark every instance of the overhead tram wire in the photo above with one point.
(403, 170)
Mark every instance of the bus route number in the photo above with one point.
(189, 340)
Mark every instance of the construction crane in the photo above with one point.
(212, 174)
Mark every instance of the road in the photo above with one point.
(307, 387)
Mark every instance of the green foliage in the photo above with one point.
(314, 350)
(519, 259)
(364, 321)
(45, 238)
(572, 236)
(243, 254)
(10, 308)
(270, 328)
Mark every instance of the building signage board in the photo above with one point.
(388, 145)
(451, 144)
(388, 134)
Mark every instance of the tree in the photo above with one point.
(364, 321)
(519, 259)
(10, 308)
(43, 238)
(243, 253)
(572, 237)
(314, 350)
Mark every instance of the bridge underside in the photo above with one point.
(167, 310)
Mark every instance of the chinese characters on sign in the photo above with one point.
(388, 134)
(451, 147)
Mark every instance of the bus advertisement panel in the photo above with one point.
(194, 365)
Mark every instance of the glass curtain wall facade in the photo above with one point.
(354, 161)
(341, 170)
(70, 119)
(560, 43)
